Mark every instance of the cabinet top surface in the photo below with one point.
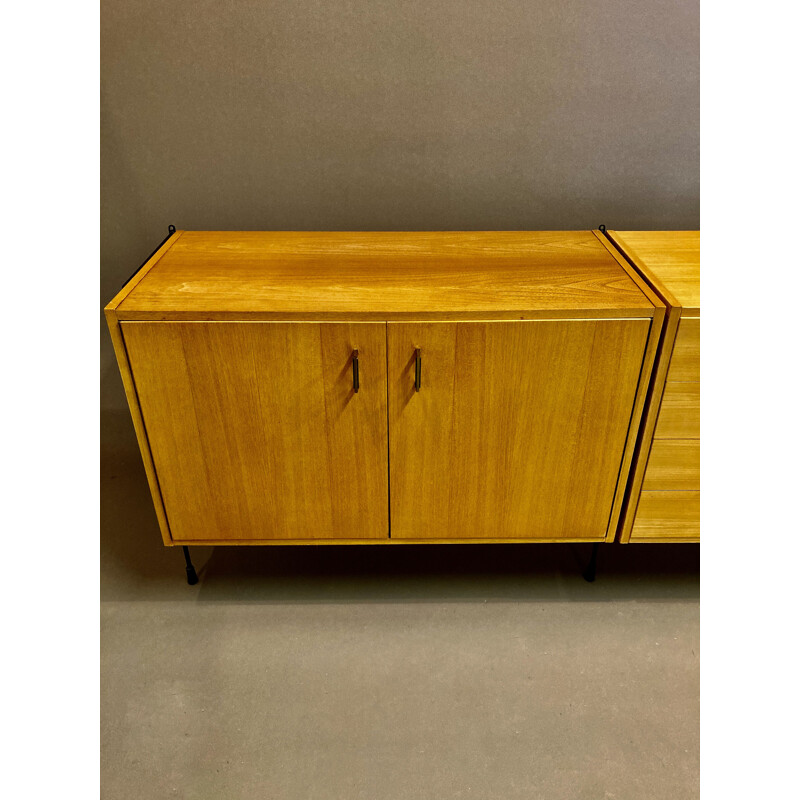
(672, 258)
(366, 275)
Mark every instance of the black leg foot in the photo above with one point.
(191, 574)
(590, 573)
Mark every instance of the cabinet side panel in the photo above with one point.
(648, 424)
(650, 384)
(648, 365)
(138, 423)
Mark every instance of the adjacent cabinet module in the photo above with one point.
(663, 502)
(305, 387)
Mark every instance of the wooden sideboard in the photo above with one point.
(389, 388)
(663, 501)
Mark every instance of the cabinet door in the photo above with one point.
(256, 430)
(517, 430)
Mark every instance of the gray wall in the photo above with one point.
(392, 115)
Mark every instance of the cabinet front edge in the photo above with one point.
(121, 352)
(137, 276)
(382, 316)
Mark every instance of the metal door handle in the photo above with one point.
(355, 370)
(417, 369)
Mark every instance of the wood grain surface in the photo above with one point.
(679, 417)
(647, 424)
(667, 516)
(668, 450)
(674, 465)
(671, 259)
(256, 432)
(517, 431)
(685, 362)
(382, 276)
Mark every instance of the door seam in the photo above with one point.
(388, 455)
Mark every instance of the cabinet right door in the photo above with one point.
(516, 430)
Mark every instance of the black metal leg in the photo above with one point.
(590, 573)
(191, 575)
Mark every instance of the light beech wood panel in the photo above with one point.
(315, 275)
(256, 432)
(667, 515)
(518, 429)
(671, 259)
(646, 427)
(679, 417)
(674, 465)
(685, 363)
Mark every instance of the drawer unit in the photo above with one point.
(663, 497)
(674, 465)
(386, 388)
(684, 366)
(667, 516)
(679, 417)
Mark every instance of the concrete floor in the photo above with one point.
(391, 671)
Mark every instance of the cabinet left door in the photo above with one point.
(257, 432)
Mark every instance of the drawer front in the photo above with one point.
(685, 362)
(679, 417)
(667, 516)
(674, 465)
